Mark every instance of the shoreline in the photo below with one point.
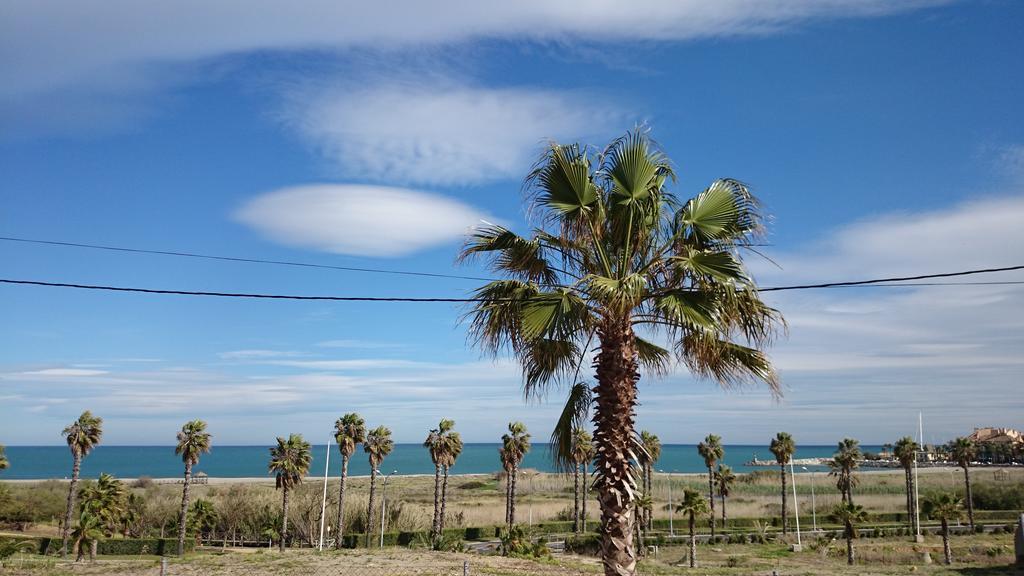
(225, 480)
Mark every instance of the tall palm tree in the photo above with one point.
(964, 452)
(436, 444)
(944, 507)
(82, 436)
(349, 432)
(453, 449)
(693, 504)
(377, 446)
(193, 440)
(724, 479)
(4, 462)
(515, 444)
(849, 515)
(905, 450)
(506, 465)
(289, 461)
(846, 459)
(711, 451)
(613, 251)
(783, 447)
(650, 455)
(582, 450)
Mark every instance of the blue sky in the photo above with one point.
(882, 140)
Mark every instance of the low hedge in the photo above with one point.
(117, 546)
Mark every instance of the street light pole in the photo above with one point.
(323, 502)
(671, 529)
(384, 505)
(814, 506)
(796, 509)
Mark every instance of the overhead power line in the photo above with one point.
(239, 259)
(874, 282)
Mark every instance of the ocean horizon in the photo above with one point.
(54, 462)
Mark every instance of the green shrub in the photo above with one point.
(589, 544)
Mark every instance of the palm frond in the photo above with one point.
(730, 364)
(547, 361)
(573, 416)
(652, 357)
(517, 256)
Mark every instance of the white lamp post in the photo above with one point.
(796, 510)
(323, 502)
(671, 528)
(814, 506)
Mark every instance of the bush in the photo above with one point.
(589, 544)
(998, 496)
(474, 533)
(118, 546)
(472, 485)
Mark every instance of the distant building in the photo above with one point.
(998, 445)
(996, 436)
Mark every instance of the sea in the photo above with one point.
(46, 462)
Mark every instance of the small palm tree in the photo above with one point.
(193, 441)
(515, 444)
(905, 450)
(452, 451)
(783, 447)
(693, 504)
(849, 515)
(615, 254)
(202, 518)
(964, 452)
(845, 460)
(377, 446)
(82, 436)
(582, 448)
(724, 479)
(87, 533)
(436, 444)
(289, 461)
(105, 500)
(349, 432)
(944, 507)
(648, 458)
(711, 451)
(4, 462)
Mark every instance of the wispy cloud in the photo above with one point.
(94, 65)
(260, 354)
(359, 220)
(70, 372)
(364, 344)
(441, 132)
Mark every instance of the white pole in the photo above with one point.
(323, 501)
(814, 512)
(917, 494)
(671, 528)
(383, 506)
(796, 509)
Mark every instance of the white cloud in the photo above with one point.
(72, 372)
(70, 66)
(365, 344)
(441, 133)
(259, 354)
(359, 220)
(46, 44)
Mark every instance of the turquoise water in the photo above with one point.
(41, 462)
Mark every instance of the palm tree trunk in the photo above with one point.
(711, 498)
(512, 497)
(434, 530)
(508, 495)
(284, 519)
(693, 540)
(93, 548)
(723, 512)
(444, 501)
(945, 542)
(649, 492)
(369, 509)
(970, 500)
(849, 546)
(617, 375)
(785, 529)
(76, 468)
(576, 499)
(183, 515)
(341, 503)
(77, 550)
(906, 490)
